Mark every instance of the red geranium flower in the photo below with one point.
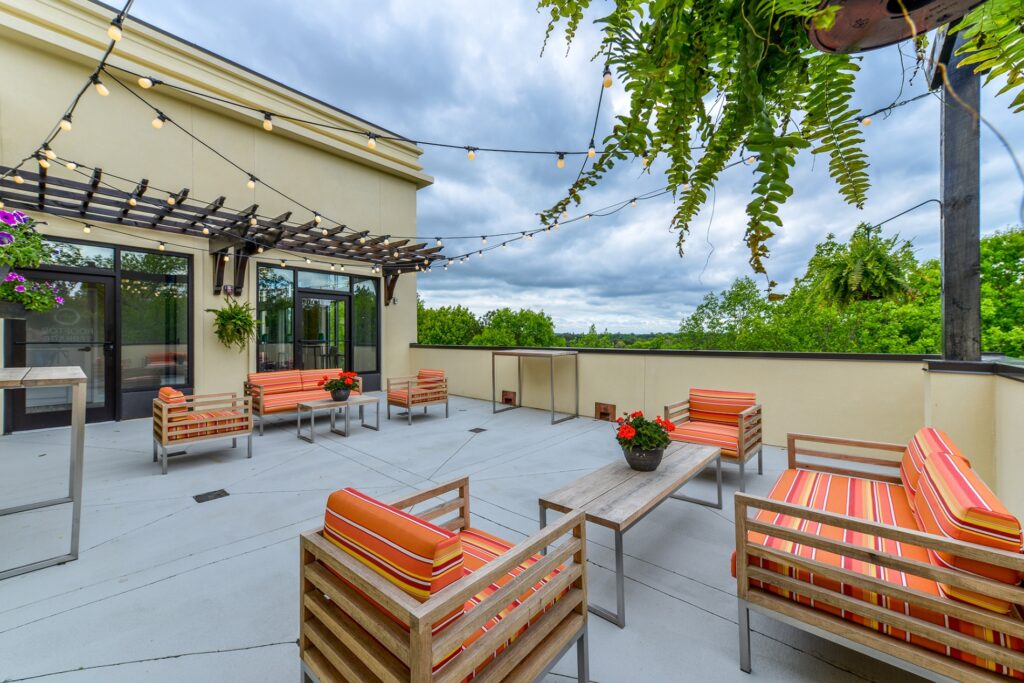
(320, 383)
(626, 432)
(638, 413)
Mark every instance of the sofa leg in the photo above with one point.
(744, 628)
(424, 410)
(249, 447)
(234, 442)
(760, 459)
(408, 413)
(154, 450)
(389, 411)
(446, 410)
(163, 460)
(261, 425)
(582, 658)
(743, 480)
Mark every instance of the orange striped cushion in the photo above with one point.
(926, 441)
(709, 405)
(279, 382)
(877, 502)
(401, 396)
(173, 396)
(724, 436)
(426, 373)
(311, 377)
(953, 502)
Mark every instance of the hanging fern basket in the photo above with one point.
(862, 25)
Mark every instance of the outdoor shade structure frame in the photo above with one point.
(95, 200)
(550, 354)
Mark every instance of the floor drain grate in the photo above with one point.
(210, 495)
(477, 430)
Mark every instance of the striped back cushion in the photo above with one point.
(926, 441)
(415, 555)
(280, 382)
(172, 396)
(953, 502)
(724, 407)
(311, 377)
(426, 373)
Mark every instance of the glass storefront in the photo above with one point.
(275, 307)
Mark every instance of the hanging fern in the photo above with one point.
(773, 95)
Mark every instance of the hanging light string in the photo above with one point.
(64, 124)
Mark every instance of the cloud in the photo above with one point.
(471, 73)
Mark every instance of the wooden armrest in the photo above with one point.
(752, 410)
(397, 382)
(677, 412)
(459, 505)
(794, 450)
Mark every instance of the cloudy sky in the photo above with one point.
(471, 73)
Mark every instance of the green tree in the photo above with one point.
(1002, 292)
(505, 327)
(451, 325)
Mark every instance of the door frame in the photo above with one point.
(305, 293)
(15, 403)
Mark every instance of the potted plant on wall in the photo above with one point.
(234, 323)
(22, 247)
(643, 441)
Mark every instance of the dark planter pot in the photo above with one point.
(340, 394)
(12, 310)
(643, 461)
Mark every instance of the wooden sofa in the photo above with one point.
(281, 391)
(388, 596)
(730, 420)
(180, 420)
(909, 559)
(427, 387)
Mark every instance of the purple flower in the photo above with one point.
(6, 238)
(13, 277)
(19, 288)
(9, 218)
(59, 300)
(22, 218)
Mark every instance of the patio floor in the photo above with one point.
(167, 589)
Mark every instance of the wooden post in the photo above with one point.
(961, 240)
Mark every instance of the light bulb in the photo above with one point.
(160, 246)
(607, 78)
(171, 201)
(317, 218)
(866, 121)
(686, 187)
(529, 235)
(252, 221)
(332, 266)
(308, 261)
(145, 82)
(561, 160)
(586, 217)
(503, 245)
(750, 160)
(43, 163)
(645, 162)
(324, 232)
(71, 166)
(1, 205)
(206, 230)
(371, 141)
(114, 30)
(132, 201)
(100, 88)
(446, 266)
(387, 240)
(483, 239)
(86, 229)
(158, 122)
(259, 250)
(65, 123)
(226, 258)
(49, 153)
(251, 183)
(283, 264)
(470, 153)
(342, 266)
(268, 124)
(439, 242)
(18, 180)
(362, 239)
(632, 202)
(592, 151)
(555, 226)
(480, 253)
(565, 215)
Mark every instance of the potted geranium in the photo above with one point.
(339, 386)
(22, 247)
(643, 441)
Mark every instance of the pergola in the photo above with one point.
(230, 232)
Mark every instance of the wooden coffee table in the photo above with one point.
(618, 497)
(362, 400)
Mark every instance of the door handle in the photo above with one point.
(85, 348)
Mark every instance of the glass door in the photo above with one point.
(79, 333)
(322, 340)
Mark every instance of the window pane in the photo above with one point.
(364, 317)
(154, 321)
(276, 301)
(80, 255)
(317, 280)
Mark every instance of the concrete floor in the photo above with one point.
(167, 589)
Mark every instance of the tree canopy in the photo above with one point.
(710, 78)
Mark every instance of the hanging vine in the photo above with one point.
(773, 95)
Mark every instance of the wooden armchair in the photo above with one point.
(180, 419)
(428, 387)
(358, 624)
(730, 420)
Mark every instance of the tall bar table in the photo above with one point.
(27, 378)
(520, 354)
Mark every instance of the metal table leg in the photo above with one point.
(494, 388)
(362, 415)
(619, 616)
(312, 425)
(700, 501)
(334, 428)
(570, 416)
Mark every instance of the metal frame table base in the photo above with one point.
(618, 617)
(519, 387)
(299, 410)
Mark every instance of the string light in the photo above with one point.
(43, 163)
(632, 203)
(317, 218)
(446, 266)
(387, 240)
(371, 140)
(259, 249)
(750, 160)
(71, 166)
(114, 30)
(49, 153)
(252, 221)
(100, 88)
(362, 239)
(171, 201)
(591, 151)
(561, 160)
(283, 264)
(65, 123)
(324, 232)
(480, 254)
(158, 122)
(866, 121)
(18, 180)
(439, 242)
(607, 78)
(555, 226)
(332, 266)
(251, 182)
(308, 261)
(586, 217)
(206, 230)
(226, 258)
(483, 239)
(86, 229)
(161, 246)
(504, 244)
(268, 124)
(644, 161)
(145, 82)
(471, 153)
(132, 201)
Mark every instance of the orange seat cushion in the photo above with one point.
(419, 395)
(926, 441)
(723, 407)
(952, 501)
(724, 436)
(877, 502)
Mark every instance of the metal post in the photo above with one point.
(583, 658)
(961, 241)
(77, 461)
(494, 407)
(620, 581)
(744, 629)
(551, 360)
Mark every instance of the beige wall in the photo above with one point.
(49, 49)
(1009, 442)
(963, 405)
